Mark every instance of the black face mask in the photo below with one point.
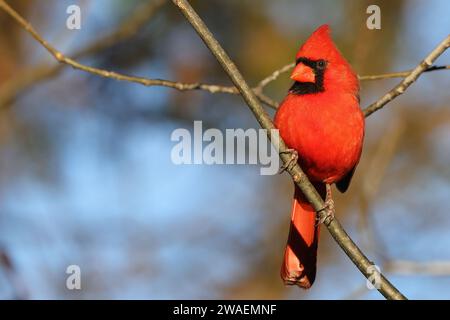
(318, 67)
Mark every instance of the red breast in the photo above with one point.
(321, 117)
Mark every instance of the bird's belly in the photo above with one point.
(329, 144)
(326, 162)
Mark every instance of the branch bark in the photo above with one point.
(141, 15)
(129, 27)
(335, 228)
(423, 66)
(400, 74)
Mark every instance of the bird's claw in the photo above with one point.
(291, 162)
(326, 214)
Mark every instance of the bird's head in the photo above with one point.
(321, 67)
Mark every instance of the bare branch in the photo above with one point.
(335, 228)
(400, 74)
(410, 79)
(286, 68)
(265, 99)
(12, 88)
(127, 29)
(405, 267)
(274, 76)
(9, 91)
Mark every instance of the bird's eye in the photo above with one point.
(321, 64)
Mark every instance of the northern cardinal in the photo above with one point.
(321, 122)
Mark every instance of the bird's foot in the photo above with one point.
(292, 160)
(326, 214)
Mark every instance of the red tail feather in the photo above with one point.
(300, 255)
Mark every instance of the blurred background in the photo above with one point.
(86, 176)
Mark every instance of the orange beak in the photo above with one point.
(303, 73)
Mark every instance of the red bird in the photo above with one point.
(321, 121)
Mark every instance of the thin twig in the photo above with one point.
(286, 68)
(141, 15)
(400, 74)
(7, 93)
(299, 177)
(409, 79)
(277, 73)
(405, 267)
(138, 19)
(128, 28)
(60, 57)
(265, 99)
(274, 76)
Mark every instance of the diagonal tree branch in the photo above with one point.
(335, 228)
(410, 79)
